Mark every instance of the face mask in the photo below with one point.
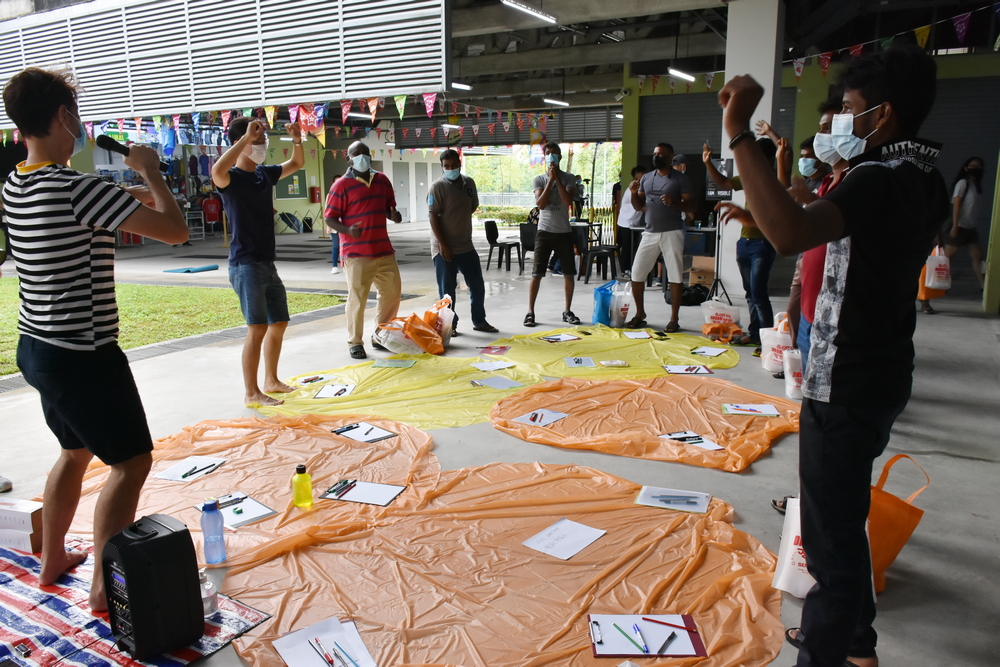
(975, 173)
(80, 138)
(842, 131)
(659, 161)
(825, 150)
(258, 152)
(452, 174)
(551, 159)
(361, 163)
(807, 166)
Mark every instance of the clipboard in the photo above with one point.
(614, 645)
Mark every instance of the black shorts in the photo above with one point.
(965, 236)
(89, 399)
(547, 243)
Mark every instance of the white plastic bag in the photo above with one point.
(793, 374)
(790, 573)
(394, 339)
(717, 312)
(621, 302)
(938, 271)
(774, 343)
(441, 318)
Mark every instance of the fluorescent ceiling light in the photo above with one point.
(358, 114)
(460, 86)
(287, 139)
(680, 75)
(451, 127)
(528, 9)
(389, 143)
(618, 115)
(559, 102)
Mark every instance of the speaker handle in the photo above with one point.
(135, 532)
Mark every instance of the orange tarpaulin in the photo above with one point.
(450, 583)
(626, 417)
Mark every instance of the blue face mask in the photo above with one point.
(452, 174)
(807, 166)
(80, 138)
(551, 159)
(842, 131)
(361, 163)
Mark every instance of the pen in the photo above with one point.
(336, 487)
(341, 649)
(737, 407)
(326, 654)
(672, 637)
(189, 472)
(325, 657)
(345, 429)
(343, 492)
(475, 384)
(369, 430)
(671, 625)
(534, 416)
(314, 378)
(340, 391)
(677, 497)
(678, 502)
(195, 472)
(638, 633)
(595, 632)
(625, 634)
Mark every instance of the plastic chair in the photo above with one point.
(503, 247)
(527, 231)
(597, 252)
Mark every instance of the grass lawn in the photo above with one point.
(153, 314)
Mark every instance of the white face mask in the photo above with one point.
(807, 166)
(258, 152)
(825, 150)
(361, 163)
(842, 131)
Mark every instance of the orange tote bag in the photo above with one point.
(891, 521)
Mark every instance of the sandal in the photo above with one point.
(757, 352)
(569, 317)
(376, 345)
(358, 352)
(927, 309)
(743, 340)
(672, 327)
(794, 637)
(487, 327)
(780, 505)
(529, 320)
(635, 323)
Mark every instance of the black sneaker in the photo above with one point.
(569, 317)
(378, 346)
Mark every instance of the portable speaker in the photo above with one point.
(151, 578)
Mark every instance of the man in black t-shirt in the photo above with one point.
(878, 225)
(247, 189)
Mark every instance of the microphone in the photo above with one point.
(109, 144)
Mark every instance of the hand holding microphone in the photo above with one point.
(141, 156)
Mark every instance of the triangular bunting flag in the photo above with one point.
(381, 103)
(17, 136)
(400, 104)
(88, 126)
(886, 42)
(797, 65)
(195, 119)
(642, 81)
(475, 130)
(857, 50)
(479, 111)
(922, 35)
(248, 113)
(429, 99)
(961, 23)
(709, 80)
(506, 126)
(226, 116)
(345, 108)
(285, 151)
(138, 128)
(378, 133)
(656, 81)
(454, 108)
(824, 61)
(373, 106)
(441, 105)
(293, 113)
(336, 132)
(320, 111)
(406, 132)
(424, 151)
(492, 127)
(688, 85)
(418, 132)
(673, 83)
(321, 138)
(434, 132)
(307, 118)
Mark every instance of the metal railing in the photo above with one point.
(527, 199)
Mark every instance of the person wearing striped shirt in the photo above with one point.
(357, 207)
(62, 227)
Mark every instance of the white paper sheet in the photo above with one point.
(692, 438)
(560, 338)
(706, 351)
(542, 417)
(492, 365)
(499, 382)
(564, 539)
(175, 473)
(294, 647)
(579, 362)
(647, 496)
(687, 370)
(335, 391)
(364, 432)
(394, 363)
(637, 334)
(752, 409)
(614, 363)
(370, 493)
(614, 643)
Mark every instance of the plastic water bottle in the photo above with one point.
(302, 488)
(209, 594)
(212, 529)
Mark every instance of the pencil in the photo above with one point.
(679, 627)
(625, 634)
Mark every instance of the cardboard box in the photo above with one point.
(27, 542)
(703, 262)
(701, 277)
(22, 515)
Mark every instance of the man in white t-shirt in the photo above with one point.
(630, 221)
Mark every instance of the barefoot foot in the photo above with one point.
(98, 601)
(259, 399)
(52, 568)
(277, 387)
(863, 662)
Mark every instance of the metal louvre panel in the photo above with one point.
(11, 63)
(684, 121)
(585, 125)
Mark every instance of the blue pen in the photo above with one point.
(341, 649)
(638, 634)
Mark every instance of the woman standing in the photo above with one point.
(967, 197)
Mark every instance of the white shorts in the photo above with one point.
(652, 245)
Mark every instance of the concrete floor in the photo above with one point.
(941, 603)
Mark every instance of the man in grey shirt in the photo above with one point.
(554, 192)
(451, 202)
(666, 194)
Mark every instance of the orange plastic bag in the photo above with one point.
(891, 521)
(721, 331)
(441, 318)
(423, 334)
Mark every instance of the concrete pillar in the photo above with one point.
(754, 46)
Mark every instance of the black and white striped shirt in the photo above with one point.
(61, 226)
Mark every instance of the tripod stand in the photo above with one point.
(718, 289)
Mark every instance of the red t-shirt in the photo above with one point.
(814, 260)
(359, 205)
(212, 208)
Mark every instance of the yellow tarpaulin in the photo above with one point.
(626, 418)
(436, 392)
(646, 356)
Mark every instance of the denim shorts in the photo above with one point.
(261, 292)
(89, 398)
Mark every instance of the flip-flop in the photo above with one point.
(635, 324)
(793, 638)
(570, 318)
(529, 320)
(780, 505)
(672, 327)
(358, 352)
(743, 341)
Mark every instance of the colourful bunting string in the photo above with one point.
(709, 79)
(373, 107)
(345, 108)
(797, 66)
(656, 81)
(961, 23)
(642, 81)
(400, 105)
(922, 34)
(857, 50)
(824, 61)
(226, 116)
(429, 99)
(293, 113)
